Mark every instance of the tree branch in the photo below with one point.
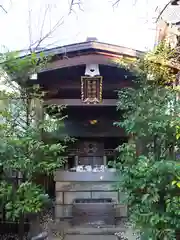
(116, 2)
(29, 27)
(72, 4)
(36, 44)
(43, 22)
(1, 6)
(164, 9)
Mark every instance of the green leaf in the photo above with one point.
(144, 198)
(174, 182)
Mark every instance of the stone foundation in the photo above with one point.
(67, 191)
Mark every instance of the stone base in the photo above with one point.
(66, 192)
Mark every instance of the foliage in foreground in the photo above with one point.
(149, 162)
(26, 149)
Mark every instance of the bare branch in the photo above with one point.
(34, 45)
(1, 6)
(115, 4)
(161, 12)
(74, 3)
(43, 22)
(29, 27)
(37, 43)
(173, 2)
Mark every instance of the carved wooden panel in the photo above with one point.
(91, 89)
(91, 153)
(91, 148)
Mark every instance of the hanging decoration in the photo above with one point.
(93, 122)
(91, 89)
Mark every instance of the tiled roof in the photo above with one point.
(89, 44)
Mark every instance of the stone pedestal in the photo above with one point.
(73, 185)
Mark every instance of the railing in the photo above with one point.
(75, 151)
(10, 228)
(78, 158)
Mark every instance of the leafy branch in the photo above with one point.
(149, 162)
(28, 146)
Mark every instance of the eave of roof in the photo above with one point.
(89, 45)
(95, 45)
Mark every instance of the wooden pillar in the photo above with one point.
(76, 161)
(66, 164)
(104, 160)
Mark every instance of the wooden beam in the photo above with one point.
(82, 60)
(77, 85)
(78, 102)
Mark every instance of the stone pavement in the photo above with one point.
(87, 237)
(121, 231)
(99, 234)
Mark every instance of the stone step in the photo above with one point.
(90, 237)
(94, 231)
(86, 229)
(89, 231)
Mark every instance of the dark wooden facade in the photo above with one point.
(62, 81)
(66, 82)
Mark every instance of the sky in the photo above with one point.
(128, 24)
